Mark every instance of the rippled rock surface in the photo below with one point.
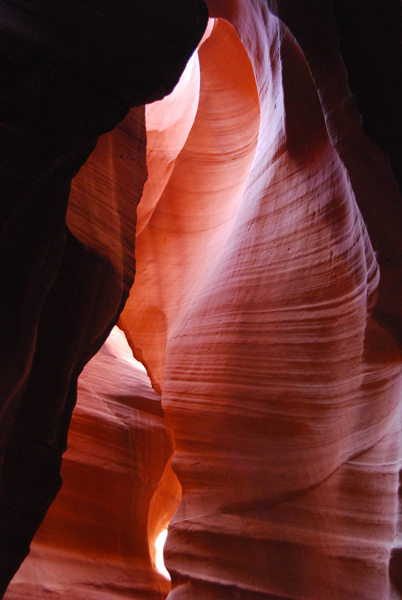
(266, 310)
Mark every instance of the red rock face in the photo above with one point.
(65, 82)
(265, 309)
(97, 536)
(191, 222)
(275, 369)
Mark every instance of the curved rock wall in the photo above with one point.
(199, 203)
(70, 72)
(281, 384)
(266, 311)
(94, 542)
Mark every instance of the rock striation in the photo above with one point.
(97, 541)
(70, 72)
(265, 309)
(278, 349)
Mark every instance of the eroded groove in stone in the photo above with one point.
(266, 310)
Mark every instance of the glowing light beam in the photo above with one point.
(159, 562)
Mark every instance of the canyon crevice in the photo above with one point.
(220, 201)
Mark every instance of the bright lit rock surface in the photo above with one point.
(266, 309)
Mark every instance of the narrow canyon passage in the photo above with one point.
(262, 423)
(98, 538)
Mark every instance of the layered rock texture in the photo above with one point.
(98, 537)
(266, 306)
(71, 70)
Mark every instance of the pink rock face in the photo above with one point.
(196, 211)
(97, 540)
(282, 391)
(266, 311)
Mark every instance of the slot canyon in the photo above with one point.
(201, 299)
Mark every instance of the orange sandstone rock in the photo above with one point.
(265, 309)
(192, 220)
(282, 391)
(70, 72)
(97, 540)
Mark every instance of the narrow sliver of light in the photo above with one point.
(159, 562)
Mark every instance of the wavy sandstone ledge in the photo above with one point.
(266, 310)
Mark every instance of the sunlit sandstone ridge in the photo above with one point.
(266, 310)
